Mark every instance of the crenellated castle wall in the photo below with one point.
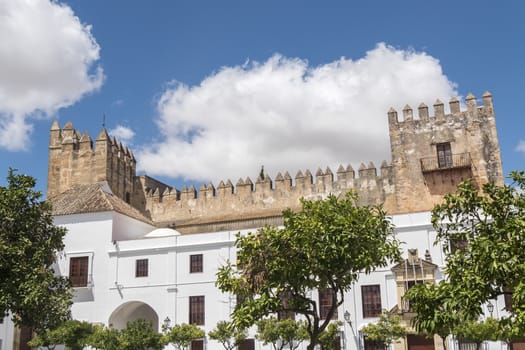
(415, 180)
(265, 197)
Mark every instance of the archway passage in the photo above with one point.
(132, 311)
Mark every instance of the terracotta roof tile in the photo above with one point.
(92, 198)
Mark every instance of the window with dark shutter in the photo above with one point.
(78, 271)
(141, 268)
(197, 344)
(371, 296)
(196, 263)
(197, 310)
(247, 344)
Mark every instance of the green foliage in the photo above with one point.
(478, 331)
(139, 335)
(281, 333)
(48, 340)
(29, 244)
(387, 330)
(328, 337)
(73, 334)
(226, 334)
(433, 307)
(491, 225)
(104, 338)
(181, 335)
(324, 245)
(508, 332)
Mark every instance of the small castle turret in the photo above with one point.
(73, 160)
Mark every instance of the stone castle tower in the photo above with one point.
(430, 154)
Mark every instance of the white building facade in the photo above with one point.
(125, 269)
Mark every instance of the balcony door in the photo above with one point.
(444, 155)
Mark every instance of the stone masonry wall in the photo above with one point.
(473, 140)
(414, 181)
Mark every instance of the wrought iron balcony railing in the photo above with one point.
(453, 161)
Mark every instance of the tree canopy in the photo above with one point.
(29, 244)
(479, 331)
(482, 232)
(484, 242)
(72, 333)
(281, 334)
(226, 334)
(386, 331)
(140, 335)
(324, 246)
(181, 335)
(434, 308)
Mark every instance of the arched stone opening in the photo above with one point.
(132, 311)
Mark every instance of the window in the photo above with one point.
(141, 268)
(247, 344)
(197, 310)
(195, 263)
(444, 155)
(371, 297)
(284, 315)
(78, 271)
(197, 344)
(325, 303)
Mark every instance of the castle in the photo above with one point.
(137, 248)
(430, 156)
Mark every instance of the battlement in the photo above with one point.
(264, 197)
(69, 138)
(430, 155)
(439, 111)
(323, 180)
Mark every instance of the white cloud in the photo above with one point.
(47, 62)
(287, 116)
(122, 133)
(521, 146)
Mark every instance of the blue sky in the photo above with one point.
(211, 90)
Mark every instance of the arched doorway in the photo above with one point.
(132, 311)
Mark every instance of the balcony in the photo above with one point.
(453, 161)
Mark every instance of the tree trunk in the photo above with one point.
(313, 342)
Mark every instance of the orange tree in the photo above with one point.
(324, 246)
(29, 244)
(483, 237)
